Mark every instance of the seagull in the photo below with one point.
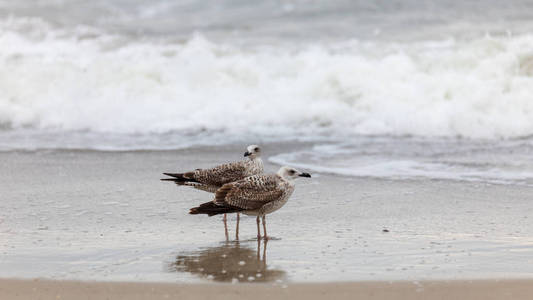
(210, 180)
(256, 195)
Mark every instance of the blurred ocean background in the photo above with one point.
(390, 88)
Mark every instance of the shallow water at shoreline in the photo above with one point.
(105, 216)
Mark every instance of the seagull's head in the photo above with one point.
(291, 173)
(252, 151)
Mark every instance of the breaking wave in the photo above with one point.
(84, 80)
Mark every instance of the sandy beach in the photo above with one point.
(431, 290)
(93, 215)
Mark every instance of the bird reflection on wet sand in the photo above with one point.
(231, 262)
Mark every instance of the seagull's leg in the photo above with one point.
(258, 230)
(265, 228)
(225, 226)
(237, 227)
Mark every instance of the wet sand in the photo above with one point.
(105, 216)
(472, 290)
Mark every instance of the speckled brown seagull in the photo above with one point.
(210, 180)
(256, 195)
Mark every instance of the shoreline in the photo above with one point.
(90, 215)
(16, 289)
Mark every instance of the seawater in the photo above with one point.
(128, 75)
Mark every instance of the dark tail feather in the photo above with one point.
(211, 209)
(180, 177)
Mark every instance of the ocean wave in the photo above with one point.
(85, 80)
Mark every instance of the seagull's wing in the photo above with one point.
(221, 174)
(250, 193)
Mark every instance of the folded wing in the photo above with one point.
(222, 174)
(250, 193)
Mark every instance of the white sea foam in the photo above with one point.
(407, 158)
(86, 80)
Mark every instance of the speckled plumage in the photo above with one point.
(256, 195)
(226, 173)
(211, 179)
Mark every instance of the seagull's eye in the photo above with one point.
(291, 172)
(256, 149)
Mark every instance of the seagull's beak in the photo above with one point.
(247, 153)
(305, 175)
